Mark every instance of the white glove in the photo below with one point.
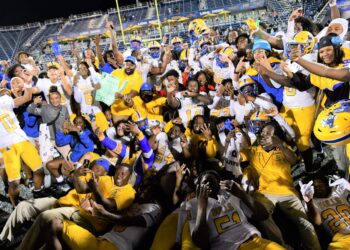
(307, 190)
(341, 183)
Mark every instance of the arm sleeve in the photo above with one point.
(264, 103)
(147, 152)
(30, 120)
(301, 82)
(152, 218)
(284, 125)
(211, 148)
(95, 77)
(78, 95)
(33, 109)
(85, 139)
(62, 139)
(216, 100)
(290, 30)
(118, 148)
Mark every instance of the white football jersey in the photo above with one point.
(83, 94)
(228, 224)
(222, 73)
(335, 211)
(220, 106)
(293, 98)
(45, 84)
(10, 130)
(189, 108)
(163, 155)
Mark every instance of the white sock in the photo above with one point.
(59, 179)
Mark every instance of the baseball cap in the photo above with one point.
(131, 59)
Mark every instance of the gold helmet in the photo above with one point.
(184, 55)
(153, 44)
(135, 38)
(228, 51)
(176, 40)
(332, 125)
(305, 39)
(196, 26)
(257, 121)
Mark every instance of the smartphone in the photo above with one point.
(86, 163)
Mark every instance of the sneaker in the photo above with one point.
(29, 183)
(58, 190)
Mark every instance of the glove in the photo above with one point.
(341, 183)
(56, 48)
(252, 24)
(307, 190)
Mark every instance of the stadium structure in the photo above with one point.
(169, 17)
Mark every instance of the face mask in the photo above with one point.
(178, 48)
(135, 45)
(146, 97)
(155, 54)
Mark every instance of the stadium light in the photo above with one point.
(120, 22)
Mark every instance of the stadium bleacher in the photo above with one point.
(35, 37)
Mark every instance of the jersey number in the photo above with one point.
(220, 112)
(290, 91)
(340, 217)
(219, 222)
(7, 123)
(88, 98)
(189, 113)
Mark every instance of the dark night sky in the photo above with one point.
(14, 12)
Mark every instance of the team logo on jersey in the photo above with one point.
(329, 121)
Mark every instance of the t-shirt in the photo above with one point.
(10, 130)
(128, 238)
(126, 82)
(271, 170)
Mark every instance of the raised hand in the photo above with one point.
(272, 112)
(203, 192)
(206, 132)
(307, 191)
(177, 121)
(97, 40)
(341, 183)
(133, 128)
(180, 172)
